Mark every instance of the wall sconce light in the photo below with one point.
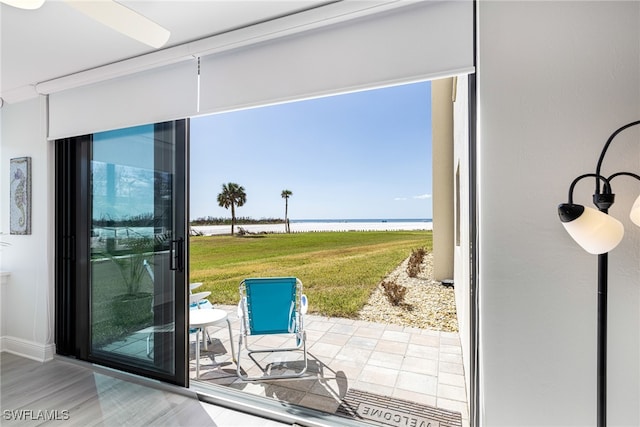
(598, 233)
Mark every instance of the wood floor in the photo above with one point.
(64, 393)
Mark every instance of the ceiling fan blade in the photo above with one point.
(24, 4)
(123, 20)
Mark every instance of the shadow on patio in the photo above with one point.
(349, 358)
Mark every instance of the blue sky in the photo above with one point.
(358, 155)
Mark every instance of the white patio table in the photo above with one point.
(200, 319)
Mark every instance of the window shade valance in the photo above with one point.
(152, 96)
(417, 42)
(409, 42)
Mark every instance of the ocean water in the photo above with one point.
(310, 225)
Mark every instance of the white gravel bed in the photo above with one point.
(427, 303)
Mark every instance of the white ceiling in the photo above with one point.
(57, 40)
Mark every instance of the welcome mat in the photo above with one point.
(389, 411)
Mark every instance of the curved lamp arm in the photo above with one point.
(570, 211)
(606, 147)
(631, 174)
(607, 184)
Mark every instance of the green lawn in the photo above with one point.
(339, 270)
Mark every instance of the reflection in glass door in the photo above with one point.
(137, 255)
(127, 225)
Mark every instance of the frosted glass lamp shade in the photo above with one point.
(595, 231)
(635, 212)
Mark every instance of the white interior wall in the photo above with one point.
(26, 299)
(555, 79)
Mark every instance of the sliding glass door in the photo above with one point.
(122, 243)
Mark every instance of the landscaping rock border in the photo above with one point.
(427, 304)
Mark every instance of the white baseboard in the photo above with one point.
(29, 349)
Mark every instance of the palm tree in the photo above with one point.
(285, 195)
(232, 195)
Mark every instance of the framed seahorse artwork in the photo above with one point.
(20, 194)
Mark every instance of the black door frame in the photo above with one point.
(72, 253)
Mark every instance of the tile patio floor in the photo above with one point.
(418, 365)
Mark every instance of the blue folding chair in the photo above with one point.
(268, 306)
